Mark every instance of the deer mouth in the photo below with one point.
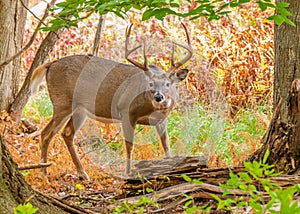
(166, 104)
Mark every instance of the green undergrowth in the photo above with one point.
(39, 107)
(197, 130)
(254, 189)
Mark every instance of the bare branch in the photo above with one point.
(46, 11)
(98, 36)
(34, 166)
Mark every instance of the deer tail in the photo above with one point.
(37, 77)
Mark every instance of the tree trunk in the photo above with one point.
(287, 57)
(11, 39)
(41, 56)
(14, 190)
(282, 139)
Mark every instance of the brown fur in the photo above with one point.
(108, 91)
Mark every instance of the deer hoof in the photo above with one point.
(83, 176)
(44, 170)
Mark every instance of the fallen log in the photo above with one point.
(171, 190)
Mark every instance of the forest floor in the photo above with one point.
(163, 185)
(107, 189)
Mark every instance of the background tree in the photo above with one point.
(12, 23)
(282, 138)
(287, 58)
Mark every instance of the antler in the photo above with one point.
(128, 52)
(187, 47)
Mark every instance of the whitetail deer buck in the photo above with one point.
(109, 91)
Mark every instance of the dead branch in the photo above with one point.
(98, 35)
(34, 166)
(66, 207)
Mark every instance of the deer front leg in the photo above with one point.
(128, 129)
(162, 131)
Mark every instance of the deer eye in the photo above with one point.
(168, 84)
(151, 84)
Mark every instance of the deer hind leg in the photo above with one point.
(162, 131)
(57, 121)
(75, 123)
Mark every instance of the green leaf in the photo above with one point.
(245, 176)
(224, 12)
(277, 19)
(256, 206)
(119, 14)
(137, 6)
(79, 186)
(290, 22)
(161, 13)
(266, 156)
(174, 5)
(283, 11)
(25, 209)
(197, 181)
(225, 187)
(188, 203)
(195, 17)
(262, 6)
(147, 14)
(282, 4)
(149, 190)
(158, 1)
(244, 1)
(62, 4)
(186, 178)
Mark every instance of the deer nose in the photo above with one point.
(158, 97)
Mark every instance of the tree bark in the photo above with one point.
(14, 190)
(287, 57)
(282, 139)
(41, 56)
(11, 38)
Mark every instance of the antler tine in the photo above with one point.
(172, 55)
(128, 52)
(188, 47)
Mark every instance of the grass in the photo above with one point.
(202, 131)
(39, 106)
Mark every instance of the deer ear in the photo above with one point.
(179, 75)
(148, 74)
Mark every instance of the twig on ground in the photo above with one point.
(34, 166)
